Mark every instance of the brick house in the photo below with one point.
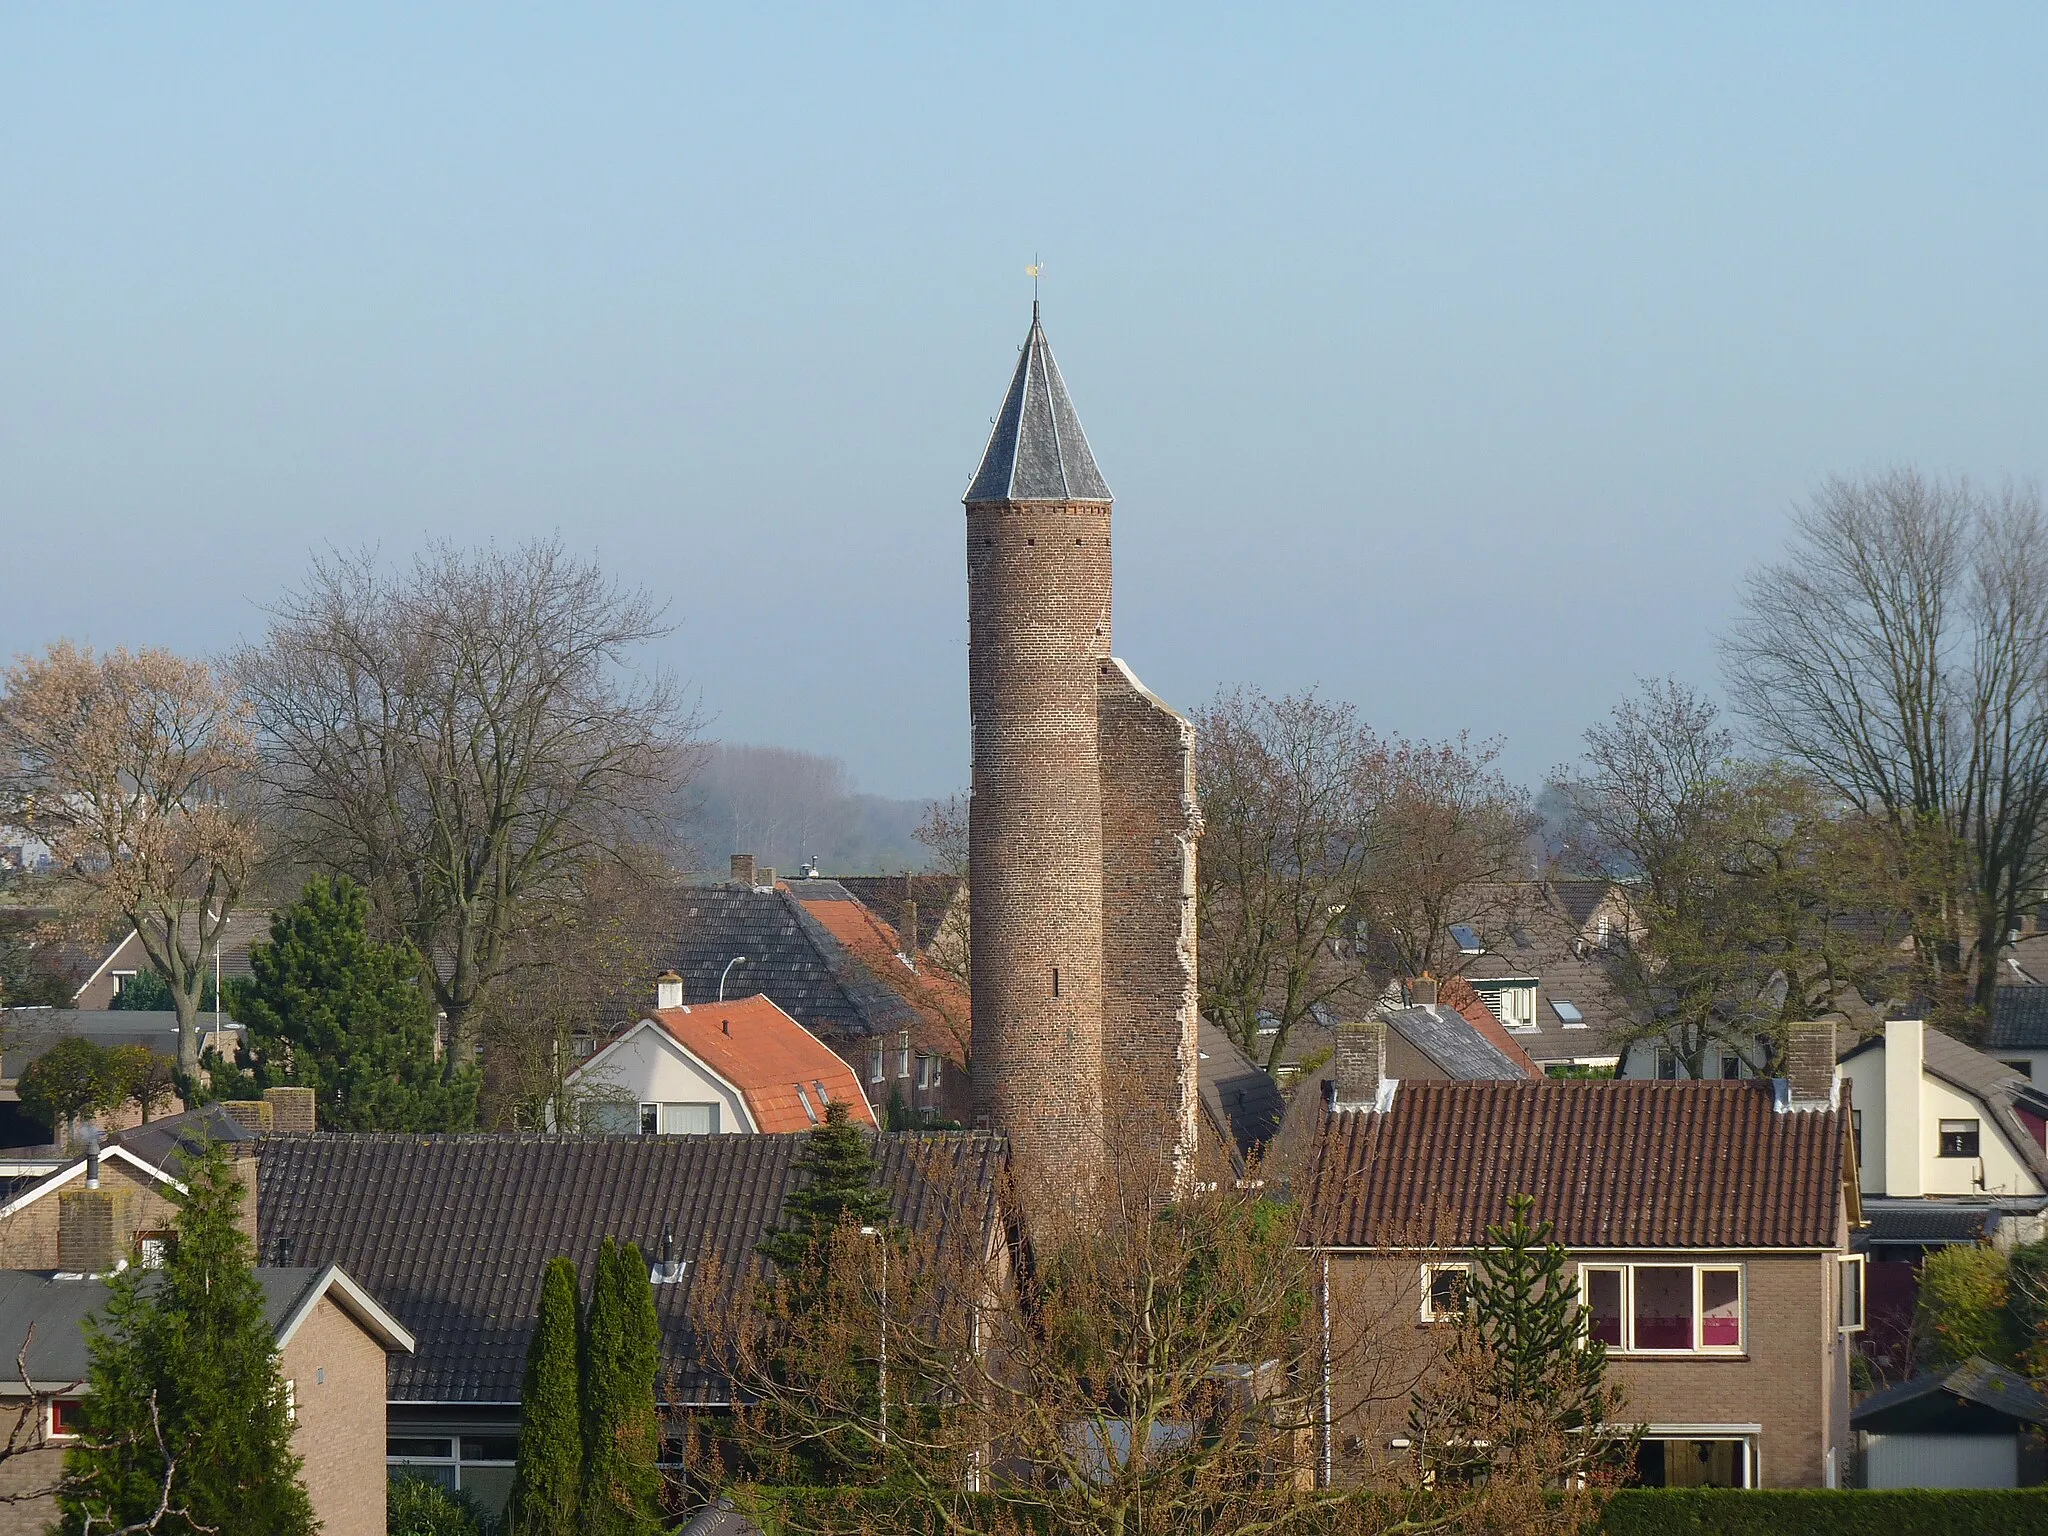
(1708, 1228)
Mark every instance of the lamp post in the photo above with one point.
(882, 1376)
(220, 923)
(735, 960)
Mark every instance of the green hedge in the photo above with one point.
(1813, 1512)
(1633, 1512)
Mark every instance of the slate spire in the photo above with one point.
(1037, 451)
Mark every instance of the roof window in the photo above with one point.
(1467, 938)
(1569, 1012)
(805, 1099)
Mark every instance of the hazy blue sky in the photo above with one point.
(1458, 360)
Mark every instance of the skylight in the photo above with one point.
(1569, 1012)
(1467, 939)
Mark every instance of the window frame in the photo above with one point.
(1975, 1133)
(877, 1061)
(1700, 1269)
(1431, 1268)
(72, 1405)
(1847, 1264)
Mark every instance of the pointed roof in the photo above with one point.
(1037, 451)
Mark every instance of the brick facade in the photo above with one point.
(337, 1376)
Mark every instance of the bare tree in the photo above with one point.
(464, 738)
(1753, 896)
(1290, 791)
(1898, 652)
(1450, 845)
(943, 832)
(136, 769)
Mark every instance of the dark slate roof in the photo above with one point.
(1923, 1221)
(451, 1233)
(54, 1307)
(1037, 451)
(1241, 1101)
(2019, 1019)
(1922, 1402)
(1992, 1083)
(785, 959)
(1613, 1164)
(1453, 1042)
(167, 1143)
(884, 895)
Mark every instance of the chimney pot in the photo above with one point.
(668, 990)
(768, 875)
(1361, 1068)
(743, 869)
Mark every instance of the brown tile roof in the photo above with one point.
(943, 1009)
(1613, 1164)
(769, 1057)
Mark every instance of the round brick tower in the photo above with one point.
(1038, 627)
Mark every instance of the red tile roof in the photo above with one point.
(1456, 992)
(1613, 1164)
(774, 1061)
(942, 1005)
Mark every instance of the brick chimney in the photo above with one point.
(1359, 1077)
(1810, 1064)
(1422, 989)
(668, 990)
(88, 1234)
(251, 1114)
(292, 1110)
(743, 869)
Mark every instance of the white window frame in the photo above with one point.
(804, 1098)
(1851, 1264)
(903, 1054)
(50, 1430)
(1427, 1312)
(876, 1061)
(1942, 1133)
(1700, 1268)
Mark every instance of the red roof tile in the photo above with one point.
(1613, 1164)
(774, 1061)
(942, 1005)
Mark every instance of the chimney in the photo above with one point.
(87, 1243)
(1810, 1064)
(743, 869)
(668, 990)
(92, 1157)
(767, 873)
(1422, 990)
(292, 1110)
(250, 1114)
(1904, 1137)
(910, 933)
(1361, 1067)
(284, 1253)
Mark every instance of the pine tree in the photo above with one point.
(190, 1340)
(547, 1482)
(621, 1493)
(329, 1008)
(1523, 1380)
(837, 1176)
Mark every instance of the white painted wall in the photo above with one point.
(648, 1066)
(1901, 1153)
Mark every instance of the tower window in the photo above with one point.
(1055, 981)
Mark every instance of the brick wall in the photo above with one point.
(1792, 1379)
(340, 1429)
(1039, 627)
(1150, 823)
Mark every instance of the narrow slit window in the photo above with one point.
(1055, 981)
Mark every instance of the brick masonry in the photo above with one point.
(337, 1373)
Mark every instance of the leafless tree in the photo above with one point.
(136, 769)
(466, 739)
(1898, 652)
(943, 832)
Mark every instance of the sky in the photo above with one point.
(1455, 360)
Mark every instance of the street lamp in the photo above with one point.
(882, 1376)
(735, 960)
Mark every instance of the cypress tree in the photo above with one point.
(547, 1481)
(192, 1337)
(836, 1182)
(621, 1430)
(328, 1008)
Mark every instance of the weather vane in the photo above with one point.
(1032, 272)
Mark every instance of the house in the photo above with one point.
(452, 1233)
(819, 955)
(936, 904)
(1707, 1226)
(333, 1344)
(1963, 1428)
(1240, 1106)
(126, 958)
(1548, 975)
(712, 1068)
(26, 1033)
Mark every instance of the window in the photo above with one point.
(1601, 934)
(1667, 1066)
(1664, 1308)
(819, 1088)
(66, 1414)
(805, 1099)
(1731, 1064)
(291, 1401)
(1852, 1293)
(938, 1066)
(1715, 1463)
(2024, 1068)
(1856, 1133)
(1467, 939)
(152, 1248)
(608, 1119)
(482, 1469)
(1512, 1002)
(689, 1119)
(1569, 1012)
(875, 1054)
(1055, 981)
(650, 1119)
(1959, 1138)
(1443, 1291)
(903, 1054)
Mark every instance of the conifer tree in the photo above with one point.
(184, 1367)
(837, 1183)
(621, 1429)
(329, 1008)
(547, 1481)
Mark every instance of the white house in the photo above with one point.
(713, 1069)
(1935, 1118)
